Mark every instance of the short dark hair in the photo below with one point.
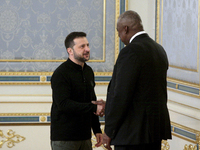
(69, 41)
(131, 19)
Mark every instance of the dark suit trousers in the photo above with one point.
(151, 146)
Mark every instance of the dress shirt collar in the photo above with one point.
(141, 32)
(74, 65)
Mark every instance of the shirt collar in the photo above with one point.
(79, 67)
(141, 32)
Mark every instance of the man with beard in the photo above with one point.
(72, 113)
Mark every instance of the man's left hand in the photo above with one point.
(106, 141)
(99, 139)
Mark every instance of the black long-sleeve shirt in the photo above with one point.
(72, 113)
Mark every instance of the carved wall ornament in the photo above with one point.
(11, 139)
(43, 78)
(43, 119)
(190, 147)
(165, 145)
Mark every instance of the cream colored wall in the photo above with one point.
(146, 10)
(30, 100)
(27, 100)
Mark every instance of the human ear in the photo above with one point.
(126, 29)
(69, 50)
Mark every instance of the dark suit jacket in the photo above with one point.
(136, 105)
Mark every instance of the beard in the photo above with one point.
(80, 57)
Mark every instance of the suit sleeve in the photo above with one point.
(121, 89)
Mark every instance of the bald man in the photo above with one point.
(136, 113)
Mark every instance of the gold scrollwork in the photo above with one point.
(198, 137)
(190, 147)
(165, 145)
(11, 139)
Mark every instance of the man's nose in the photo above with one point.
(87, 48)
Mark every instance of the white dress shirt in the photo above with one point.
(141, 32)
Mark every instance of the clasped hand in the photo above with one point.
(100, 107)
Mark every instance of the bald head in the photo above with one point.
(132, 19)
(128, 24)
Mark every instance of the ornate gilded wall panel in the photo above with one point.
(177, 29)
(32, 36)
(187, 134)
(33, 33)
(179, 32)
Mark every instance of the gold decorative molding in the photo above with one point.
(182, 68)
(30, 60)
(184, 93)
(165, 145)
(198, 37)
(62, 60)
(43, 119)
(158, 21)
(11, 139)
(184, 105)
(159, 27)
(184, 83)
(43, 78)
(183, 138)
(24, 114)
(159, 39)
(103, 73)
(172, 129)
(25, 73)
(127, 1)
(35, 95)
(182, 113)
(190, 147)
(42, 83)
(24, 102)
(117, 12)
(102, 83)
(198, 137)
(187, 129)
(104, 34)
(45, 73)
(24, 83)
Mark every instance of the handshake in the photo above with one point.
(100, 107)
